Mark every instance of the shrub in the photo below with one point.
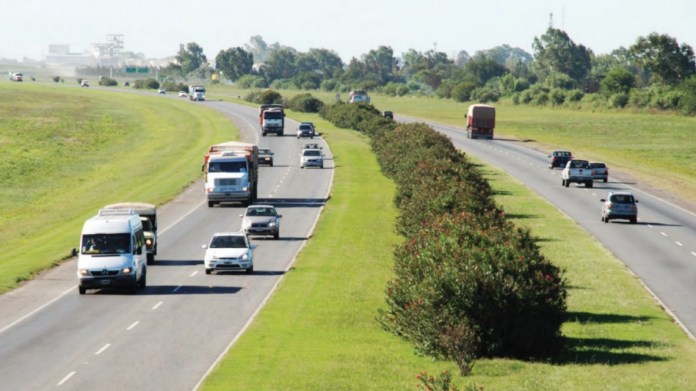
(462, 91)
(541, 98)
(251, 81)
(56, 79)
(329, 85)
(270, 97)
(618, 101)
(305, 103)
(253, 96)
(574, 95)
(557, 97)
(107, 81)
(485, 95)
(466, 288)
(687, 104)
(146, 84)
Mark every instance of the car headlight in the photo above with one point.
(84, 272)
(148, 242)
(245, 257)
(246, 224)
(126, 270)
(272, 224)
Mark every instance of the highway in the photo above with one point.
(168, 336)
(660, 249)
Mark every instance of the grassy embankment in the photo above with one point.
(67, 151)
(319, 330)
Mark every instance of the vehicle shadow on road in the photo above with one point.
(293, 202)
(280, 239)
(172, 262)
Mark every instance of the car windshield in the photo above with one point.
(579, 164)
(239, 166)
(228, 241)
(106, 243)
(264, 151)
(622, 199)
(273, 115)
(305, 127)
(261, 212)
(312, 153)
(562, 154)
(597, 165)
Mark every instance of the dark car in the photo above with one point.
(559, 158)
(388, 114)
(306, 129)
(265, 157)
(599, 171)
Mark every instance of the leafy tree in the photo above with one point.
(688, 102)
(381, 63)
(259, 49)
(556, 52)
(508, 56)
(328, 63)
(482, 67)
(190, 58)
(281, 64)
(669, 62)
(461, 58)
(234, 63)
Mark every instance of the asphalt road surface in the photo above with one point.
(168, 336)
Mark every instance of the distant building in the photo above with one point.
(104, 54)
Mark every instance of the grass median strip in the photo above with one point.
(319, 330)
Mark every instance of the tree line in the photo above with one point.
(655, 72)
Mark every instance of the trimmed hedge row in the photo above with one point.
(467, 283)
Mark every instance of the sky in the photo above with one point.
(156, 28)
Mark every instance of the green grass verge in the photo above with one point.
(69, 151)
(319, 330)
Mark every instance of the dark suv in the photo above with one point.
(559, 158)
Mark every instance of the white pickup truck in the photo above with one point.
(577, 171)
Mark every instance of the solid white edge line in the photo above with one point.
(268, 296)
(2, 330)
(66, 378)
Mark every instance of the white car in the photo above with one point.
(261, 220)
(311, 158)
(183, 94)
(229, 251)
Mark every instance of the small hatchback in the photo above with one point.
(619, 205)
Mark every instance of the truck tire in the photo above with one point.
(208, 271)
(150, 259)
(567, 183)
(211, 204)
(589, 184)
(81, 290)
(634, 220)
(562, 182)
(263, 134)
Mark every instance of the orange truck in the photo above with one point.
(480, 121)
